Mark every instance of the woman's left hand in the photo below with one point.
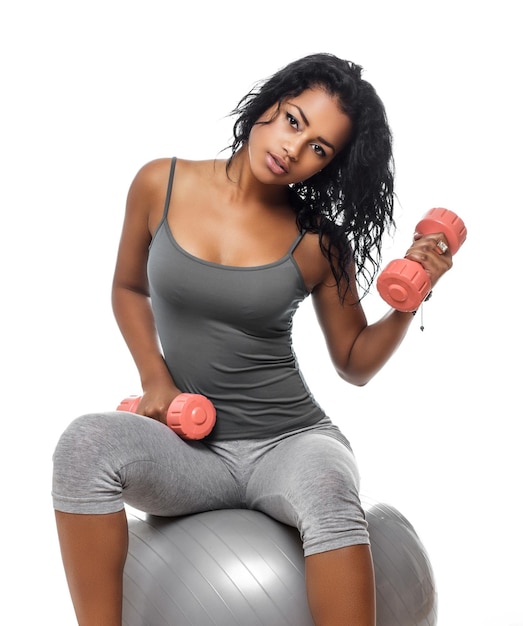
(433, 253)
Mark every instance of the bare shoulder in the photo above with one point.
(152, 178)
(155, 174)
(148, 190)
(152, 175)
(149, 186)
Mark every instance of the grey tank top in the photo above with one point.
(226, 331)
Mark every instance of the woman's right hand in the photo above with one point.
(156, 402)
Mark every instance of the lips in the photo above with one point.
(276, 164)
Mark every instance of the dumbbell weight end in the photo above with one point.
(190, 415)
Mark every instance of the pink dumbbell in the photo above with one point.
(190, 415)
(404, 284)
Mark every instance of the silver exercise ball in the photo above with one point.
(405, 588)
(242, 568)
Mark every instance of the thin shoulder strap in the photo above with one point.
(169, 188)
(296, 242)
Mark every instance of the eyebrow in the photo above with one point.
(306, 122)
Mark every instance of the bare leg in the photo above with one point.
(94, 549)
(340, 587)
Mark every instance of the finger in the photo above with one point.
(436, 242)
(442, 246)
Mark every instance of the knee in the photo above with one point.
(328, 471)
(84, 463)
(86, 444)
(331, 513)
(81, 435)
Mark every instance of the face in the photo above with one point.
(305, 134)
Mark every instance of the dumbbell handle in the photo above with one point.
(404, 284)
(190, 415)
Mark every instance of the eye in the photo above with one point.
(292, 120)
(318, 150)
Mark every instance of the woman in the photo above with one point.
(215, 256)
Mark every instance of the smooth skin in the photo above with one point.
(240, 219)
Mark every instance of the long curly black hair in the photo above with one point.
(350, 202)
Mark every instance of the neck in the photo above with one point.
(245, 186)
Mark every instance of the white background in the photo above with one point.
(92, 90)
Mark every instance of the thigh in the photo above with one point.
(105, 460)
(311, 481)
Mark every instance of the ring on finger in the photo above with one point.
(442, 246)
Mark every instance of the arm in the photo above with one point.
(130, 289)
(358, 349)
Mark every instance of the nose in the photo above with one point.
(292, 147)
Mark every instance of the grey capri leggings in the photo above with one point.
(307, 479)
